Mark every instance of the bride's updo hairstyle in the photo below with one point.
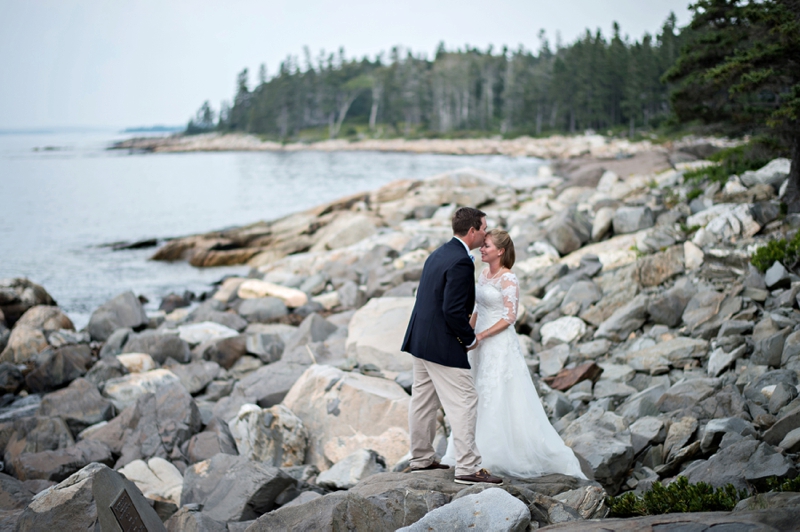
(501, 240)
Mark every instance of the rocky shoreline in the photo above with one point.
(553, 147)
(280, 400)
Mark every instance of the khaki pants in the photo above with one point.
(452, 388)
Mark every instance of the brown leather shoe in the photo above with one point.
(433, 465)
(479, 477)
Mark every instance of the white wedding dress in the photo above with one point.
(514, 435)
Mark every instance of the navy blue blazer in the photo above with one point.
(439, 329)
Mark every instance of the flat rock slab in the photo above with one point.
(492, 509)
(773, 520)
(376, 332)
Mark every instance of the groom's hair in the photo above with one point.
(466, 217)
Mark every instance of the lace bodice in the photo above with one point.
(496, 299)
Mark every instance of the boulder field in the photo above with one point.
(280, 401)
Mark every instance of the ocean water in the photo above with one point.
(64, 195)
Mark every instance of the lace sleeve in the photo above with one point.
(509, 287)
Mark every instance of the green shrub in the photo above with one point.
(694, 193)
(736, 160)
(775, 484)
(680, 496)
(777, 250)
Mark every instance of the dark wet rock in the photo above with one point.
(80, 405)
(59, 464)
(172, 301)
(227, 351)
(59, 367)
(35, 435)
(18, 295)
(125, 310)
(196, 375)
(158, 345)
(215, 439)
(262, 309)
(10, 378)
(267, 347)
(232, 488)
(206, 312)
(19, 408)
(105, 369)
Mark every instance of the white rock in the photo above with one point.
(607, 181)
(197, 333)
(157, 479)
(274, 436)
(602, 222)
(376, 331)
(772, 174)
(123, 391)
(540, 247)
(492, 510)
(344, 412)
(328, 300)
(703, 238)
(692, 256)
(137, 362)
(349, 471)
(563, 330)
(255, 288)
(552, 360)
(346, 229)
(227, 291)
(734, 186)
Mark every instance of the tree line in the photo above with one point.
(595, 83)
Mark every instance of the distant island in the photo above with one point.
(154, 129)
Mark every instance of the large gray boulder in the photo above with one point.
(273, 436)
(740, 461)
(83, 502)
(632, 219)
(342, 510)
(492, 509)
(125, 310)
(158, 345)
(314, 328)
(233, 488)
(667, 308)
(80, 405)
(349, 471)
(624, 320)
(603, 439)
(262, 309)
(773, 173)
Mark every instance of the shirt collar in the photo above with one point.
(463, 244)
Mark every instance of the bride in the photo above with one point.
(513, 434)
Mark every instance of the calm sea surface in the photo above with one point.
(63, 195)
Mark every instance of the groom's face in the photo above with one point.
(480, 235)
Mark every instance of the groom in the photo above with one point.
(439, 336)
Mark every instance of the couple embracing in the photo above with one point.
(467, 360)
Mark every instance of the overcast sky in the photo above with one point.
(143, 62)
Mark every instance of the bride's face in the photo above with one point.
(489, 252)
